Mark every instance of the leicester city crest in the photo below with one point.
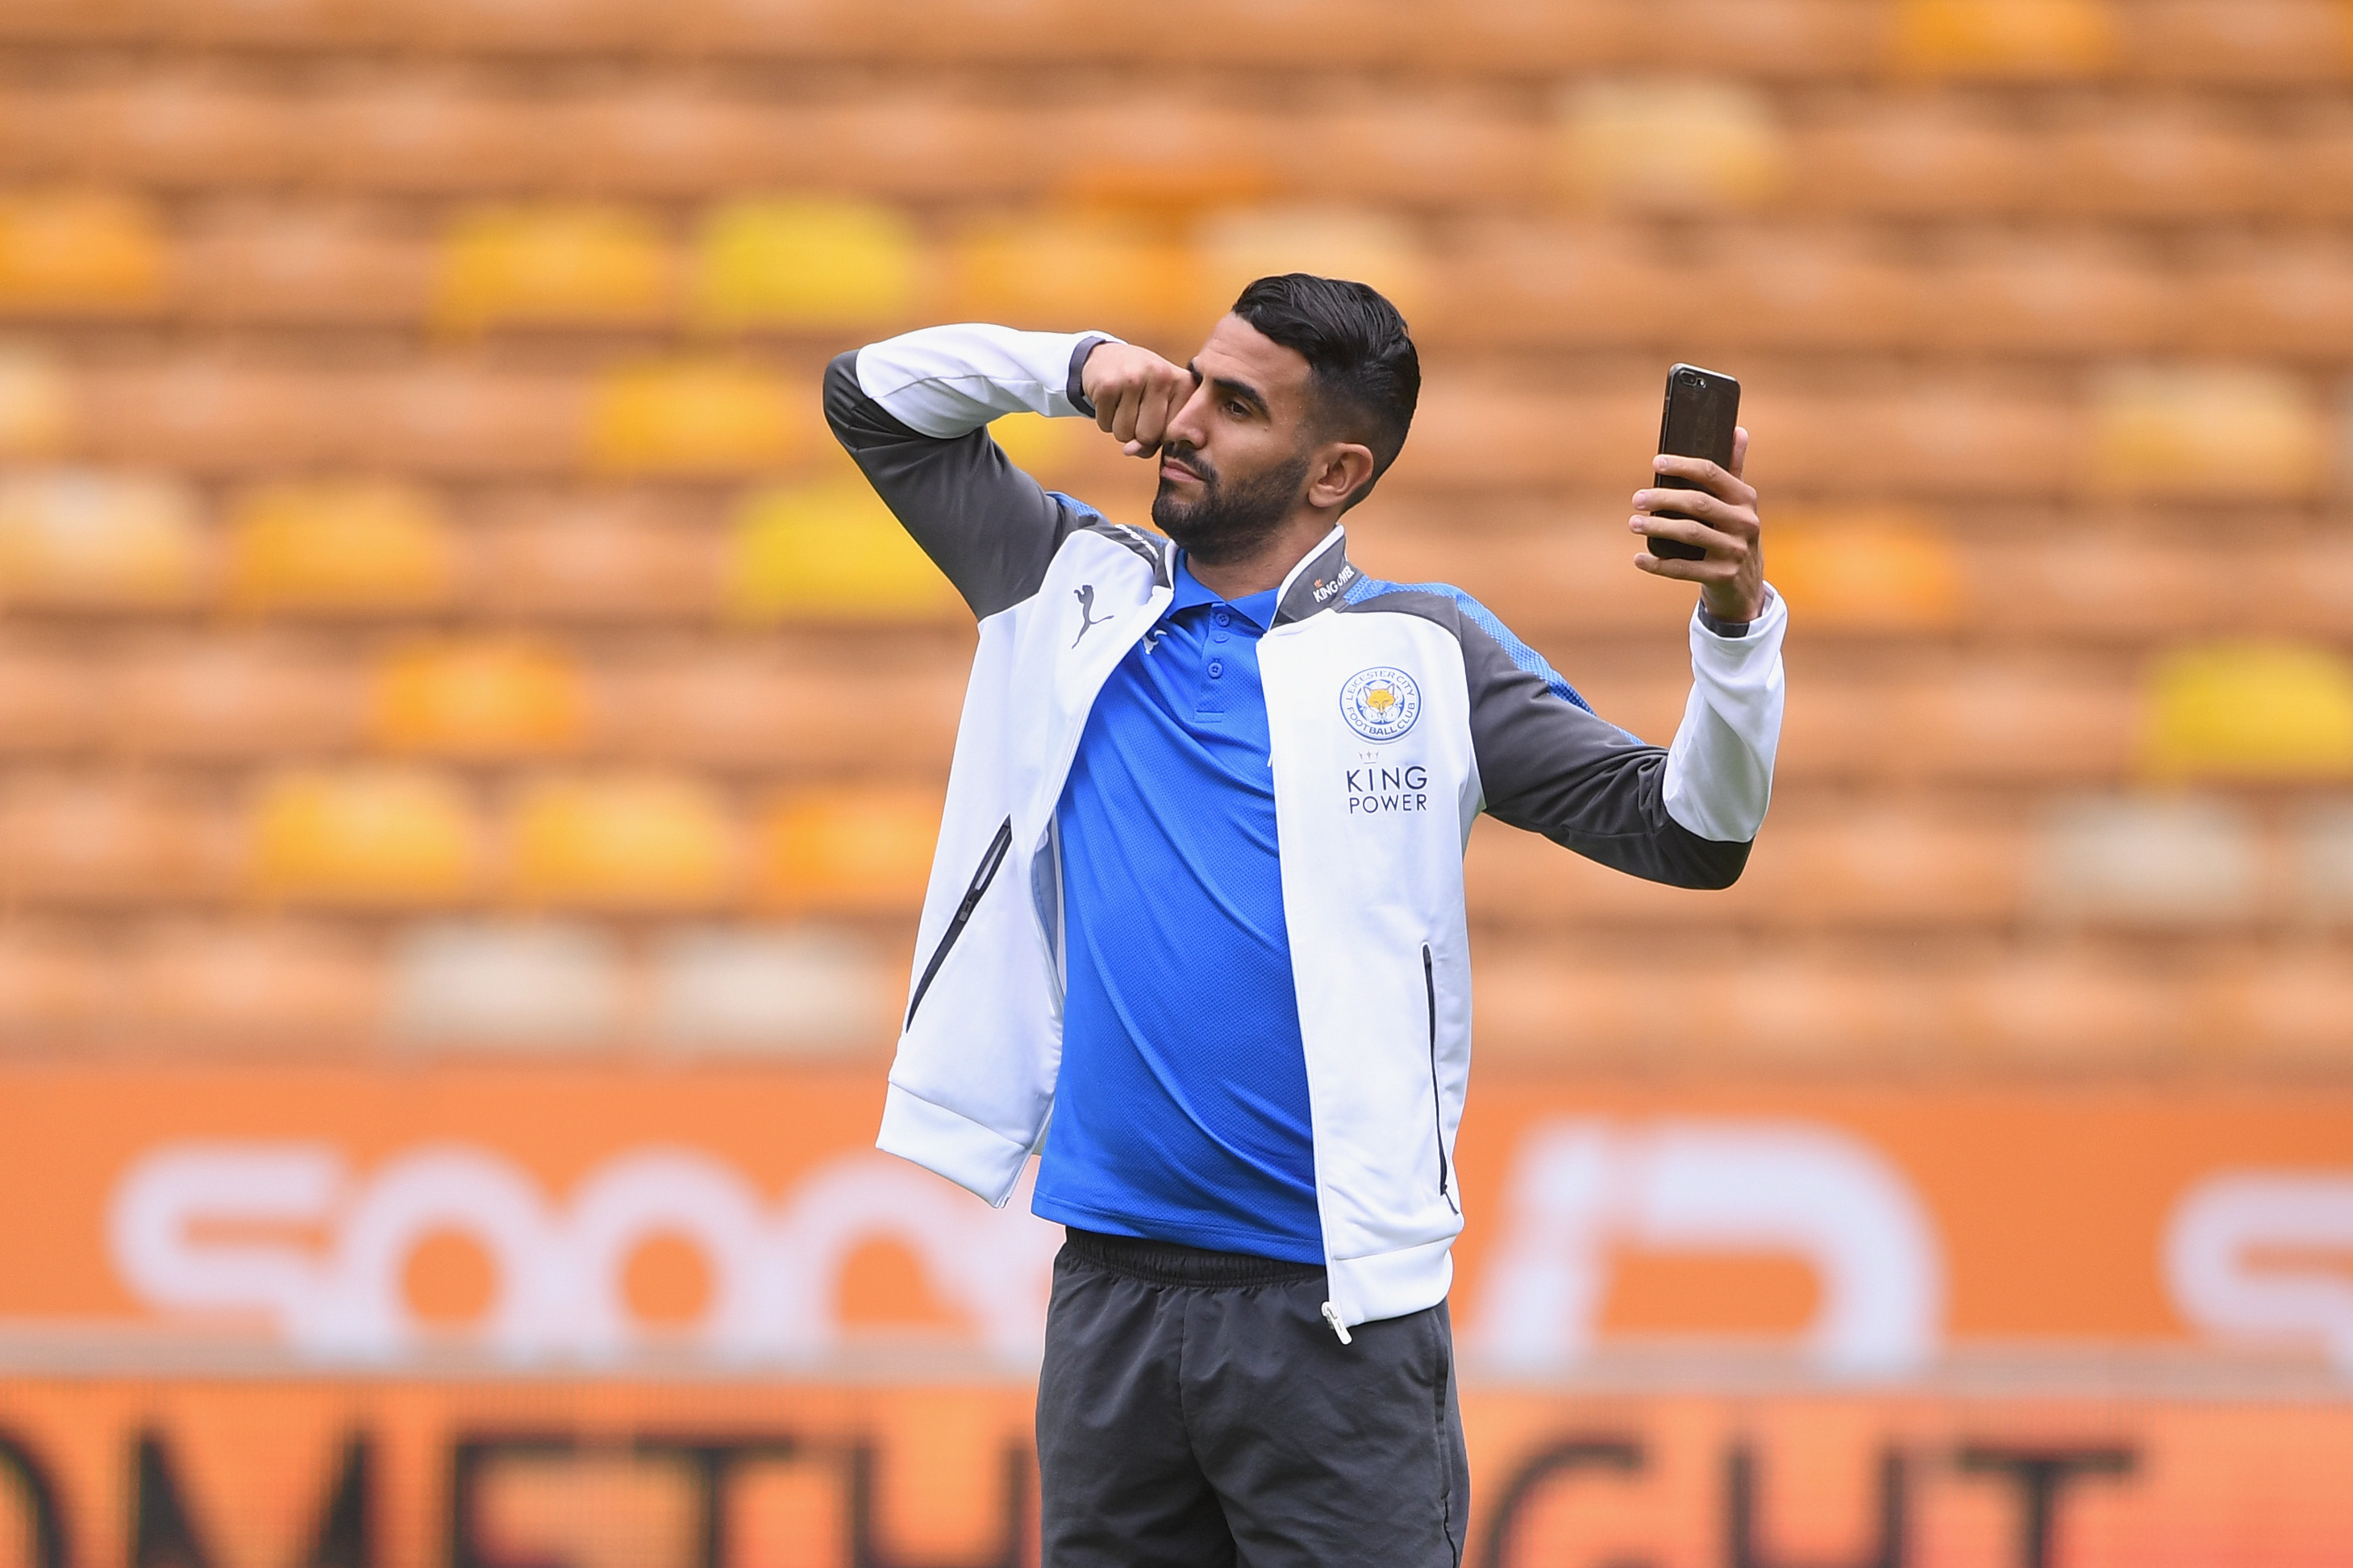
(1380, 703)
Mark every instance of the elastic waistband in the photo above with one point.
(1169, 1263)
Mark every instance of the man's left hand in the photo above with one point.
(1723, 521)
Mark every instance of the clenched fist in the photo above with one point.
(1135, 393)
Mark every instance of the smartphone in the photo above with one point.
(1701, 407)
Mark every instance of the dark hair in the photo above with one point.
(1361, 361)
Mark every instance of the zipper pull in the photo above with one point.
(1332, 1316)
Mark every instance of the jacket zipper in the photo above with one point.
(1437, 1106)
(984, 873)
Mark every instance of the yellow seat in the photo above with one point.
(1669, 146)
(829, 551)
(804, 261)
(1242, 243)
(1104, 269)
(2207, 431)
(626, 843)
(2251, 710)
(692, 419)
(78, 539)
(554, 265)
(364, 836)
(2004, 38)
(1866, 571)
(36, 407)
(485, 699)
(340, 546)
(71, 253)
(862, 849)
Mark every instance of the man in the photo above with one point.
(1199, 895)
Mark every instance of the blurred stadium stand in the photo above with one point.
(433, 618)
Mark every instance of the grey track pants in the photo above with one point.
(1195, 1410)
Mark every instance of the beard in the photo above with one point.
(1229, 522)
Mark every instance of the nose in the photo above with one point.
(1190, 425)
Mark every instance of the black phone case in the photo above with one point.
(1696, 420)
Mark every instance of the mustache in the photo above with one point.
(1190, 457)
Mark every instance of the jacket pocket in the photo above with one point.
(1437, 1103)
(983, 873)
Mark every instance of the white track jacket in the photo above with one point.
(1397, 712)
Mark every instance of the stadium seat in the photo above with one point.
(242, 989)
(1928, 156)
(213, 415)
(1797, 40)
(1107, 269)
(2242, 433)
(37, 406)
(2094, 581)
(1512, 282)
(2167, 161)
(2153, 861)
(2043, 297)
(483, 699)
(2283, 1011)
(2251, 710)
(527, 26)
(339, 547)
(76, 539)
(53, 985)
(462, 420)
(2272, 297)
(1238, 244)
(695, 419)
(67, 253)
(2072, 1013)
(176, 129)
(2016, 719)
(629, 843)
(829, 551)
(504, 985)
(1669, 146)
(314, 263)
(804, 263)
(595, 556)
(862, 849)
(2322, 852)
(1809, 291)
(2028, 40)
(551, 265)
(669, 138)
(2317, 163)
(1889, 573)
(911, 141)
(306, 25)
(2250, 43)
(1447, 149)
(216, 698)
(410, 134)
(106, 839)
(51, 700)
(362, 838)
(786, 991)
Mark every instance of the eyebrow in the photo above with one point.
(1228, 386)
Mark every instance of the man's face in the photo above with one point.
(1235, 460)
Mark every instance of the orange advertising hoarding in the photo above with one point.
(514, 1318)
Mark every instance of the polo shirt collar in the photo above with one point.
(1315, 584)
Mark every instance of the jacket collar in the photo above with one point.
(1317, 582)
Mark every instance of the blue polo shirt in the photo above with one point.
(1182, 1112)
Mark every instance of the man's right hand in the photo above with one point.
(1135, 393)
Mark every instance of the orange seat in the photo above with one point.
(597, 555)
(2159, 162)
(37, 413)
(865, 849)
(179, 128)
(85, 839)
(318, 25)
(80, 254)
(2253, 43)
(551, 265)
(1911, 156)
(2155, 862)
(341, 548)
(695, 419)
(2242, 433)
(210, 415)
(528, 26)
(489, 699)
(361, 837)
(1510, 281)
(82, 540)
(2285, 1010)
(464, 420)
(418, 134)
(1808, 291)
(1110, 268)
(306, 265)
(1783, 39)
(2016, 40)
(222, 697)
(1452, 149)
(667, 138)
(2073, 1012)
(50, 698)
(239, 988)
(2044, 298)
(2273, 298)
(1238, 244)
(648, 842)
(1884, 573)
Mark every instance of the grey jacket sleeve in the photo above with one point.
(913, 411)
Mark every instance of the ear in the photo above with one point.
(1341, 470)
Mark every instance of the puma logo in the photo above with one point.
(1088, 619)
